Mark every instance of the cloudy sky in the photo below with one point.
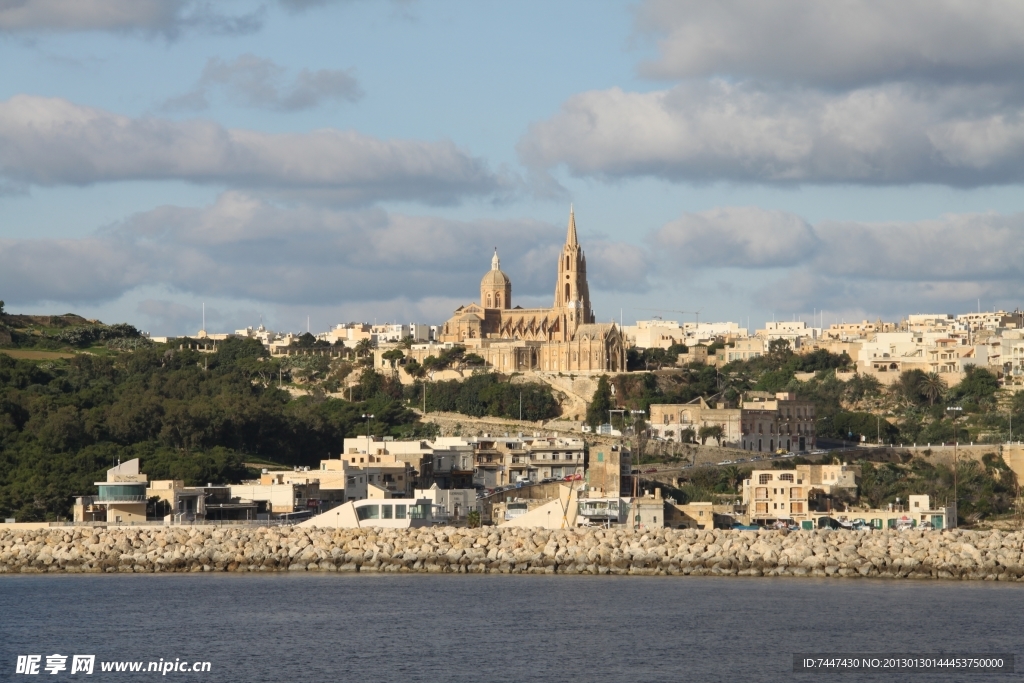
(337, 160)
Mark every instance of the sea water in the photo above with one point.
(321, 628)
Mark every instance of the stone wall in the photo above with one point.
(954, 554)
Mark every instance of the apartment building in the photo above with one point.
(670, 420)
(741, 349)
(770, 423)
(773, 495)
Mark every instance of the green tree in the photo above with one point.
(364, 347)
(601, 403)
(978, 385)
(415, 369)
(393, 356)
(779, 352)
(733, 476)
(711, 432)
(932, 387)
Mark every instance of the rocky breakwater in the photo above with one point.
(956, 554)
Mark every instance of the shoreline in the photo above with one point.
(921, 555)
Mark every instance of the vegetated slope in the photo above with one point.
(187, 415)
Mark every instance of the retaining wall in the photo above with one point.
(952, 554)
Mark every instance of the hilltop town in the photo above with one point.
(520, 416)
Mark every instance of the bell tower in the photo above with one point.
(571, 291)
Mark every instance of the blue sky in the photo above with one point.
(359, 160)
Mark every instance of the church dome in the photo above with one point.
(495, 287)
(495, 277)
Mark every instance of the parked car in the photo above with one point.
(651, 470)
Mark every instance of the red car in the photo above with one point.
(651, 471)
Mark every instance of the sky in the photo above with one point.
(311, 162)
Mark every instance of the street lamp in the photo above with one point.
(956, 410)
(368, 417)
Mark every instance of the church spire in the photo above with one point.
(495, 261)
(570, 238)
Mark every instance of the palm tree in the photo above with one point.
(933, 387)
(732, 475)
(363, 347)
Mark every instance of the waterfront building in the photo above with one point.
(121, 498)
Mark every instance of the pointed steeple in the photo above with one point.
(495, 261)
(570, 238)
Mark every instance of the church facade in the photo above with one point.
(563, 338)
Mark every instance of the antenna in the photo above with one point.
(204, 315)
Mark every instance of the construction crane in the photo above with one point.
(670, 310)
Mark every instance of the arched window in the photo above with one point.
(567, 291)
(488, 301)
(567, 262)
(497, 300)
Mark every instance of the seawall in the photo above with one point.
(952, 554)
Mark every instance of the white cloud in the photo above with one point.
(50, 141)
(166, 17)
(255, 82)
(889, 268)
(849, 43)
(745, 237)
(702, 132)
(244, 248)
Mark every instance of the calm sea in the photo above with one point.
(331, 628)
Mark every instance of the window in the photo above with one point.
(399, 512)
(764, 478)
(368, 512)
(762, 508)
(796, 507)
(761, 492)
(786, 477)
(796, 492)
(385, 511)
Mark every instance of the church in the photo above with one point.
(563, 338)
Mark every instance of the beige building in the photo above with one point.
(770, 423)
(121, 498)
(609, 471)
(670, 420)
(690, 516)
(177, 502)
(772, 495)
(741, 349)
(563, 338)
(654, 334)
(279, 497)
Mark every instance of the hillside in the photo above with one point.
(187, 415)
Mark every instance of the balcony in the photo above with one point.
(118, 498)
